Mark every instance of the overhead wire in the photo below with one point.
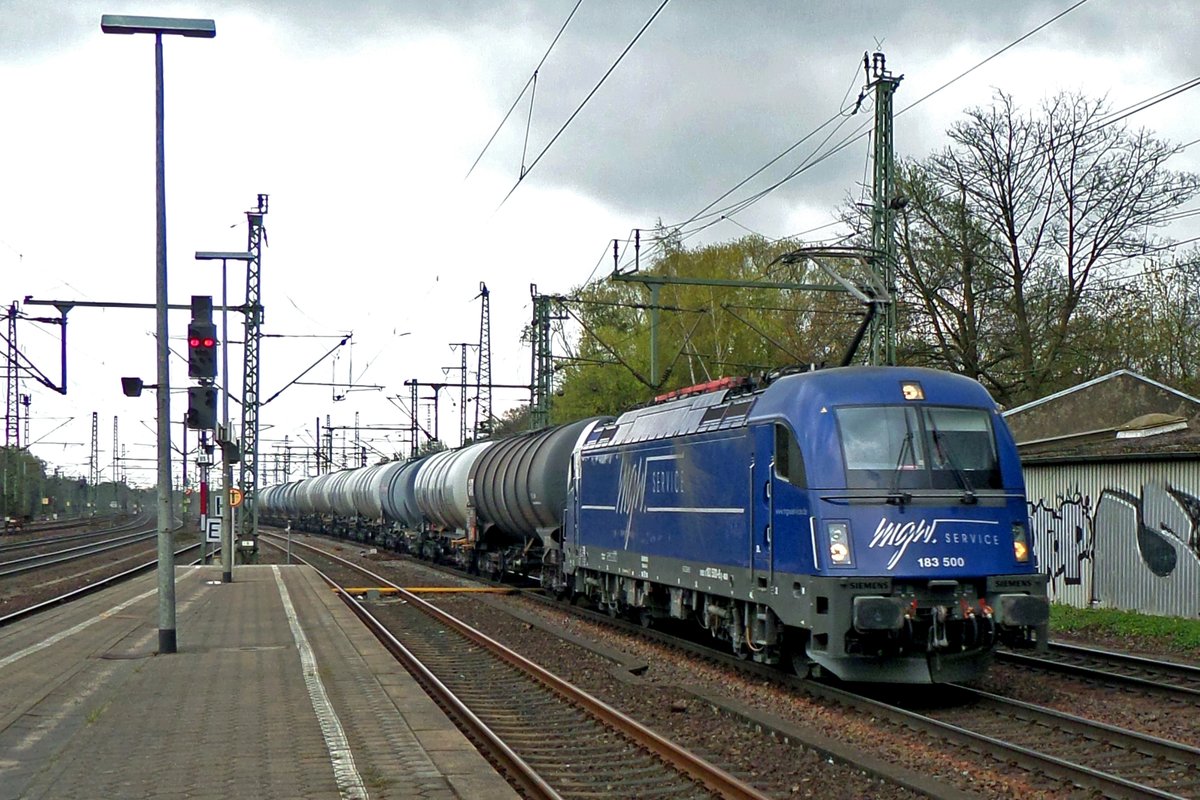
(814, 159)
(532, 79)
(994, 55)
(861, 131)
(1025, 154)
(590, 94)
(840, 113)
(1149, 102)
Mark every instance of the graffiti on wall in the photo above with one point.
(1062, 530)
(1122, 550)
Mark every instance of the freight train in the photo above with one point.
(869, 522)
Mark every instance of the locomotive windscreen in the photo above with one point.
(918, 447)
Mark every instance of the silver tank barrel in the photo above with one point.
(398, 493)
(520, 484)
(365, 492)
(441, 485)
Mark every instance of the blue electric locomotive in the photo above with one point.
(870, 521)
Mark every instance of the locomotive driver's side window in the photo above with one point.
(789, 464)
(882, 447)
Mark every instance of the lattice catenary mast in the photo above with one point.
(883, 208)
(462, 375)
(542, 366)
(115, 459)
(483, 378)
(253, 341)
(12, 407)
(94, 463)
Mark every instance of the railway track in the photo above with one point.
(94, 586)
(511, 705)
(55, 540)
(1115, 762)
(1089, 754)
(19, 566)
(1111, 667)
(1092, 756)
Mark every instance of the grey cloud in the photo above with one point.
(711, 92)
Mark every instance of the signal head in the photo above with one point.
(202, 350)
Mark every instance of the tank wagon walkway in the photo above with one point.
(277, 691)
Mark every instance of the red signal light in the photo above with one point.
(209, 342)
(194, 342)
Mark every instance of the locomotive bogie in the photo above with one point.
(750, 629)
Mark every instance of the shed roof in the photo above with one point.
(1095, 418)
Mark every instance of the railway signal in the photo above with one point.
(202, 340)
(202, 350)
(202, 407)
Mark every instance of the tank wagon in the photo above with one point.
(866, 521)
(520, 493)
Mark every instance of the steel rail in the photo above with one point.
(1110, 785)
(1191, 670)
(67, 534)
(1061, 768)
(29, 544)
(709, 775)
(30, 563)
(1164, 669)
(510, 761)
(102, 583)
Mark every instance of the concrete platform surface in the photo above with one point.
(276, 691)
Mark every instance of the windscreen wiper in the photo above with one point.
(968, 496)
(894, 495)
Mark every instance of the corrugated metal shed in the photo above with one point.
(1120, 533)
(1116, 520)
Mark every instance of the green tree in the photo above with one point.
(430, 446)
(705, 331)
(512, 422)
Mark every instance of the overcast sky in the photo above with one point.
(361, 120)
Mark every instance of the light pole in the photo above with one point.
(226, 444)
(202, 28)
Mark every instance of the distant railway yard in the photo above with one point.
(58, 560)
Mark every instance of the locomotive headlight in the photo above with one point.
(838, 534)
(1020, 543)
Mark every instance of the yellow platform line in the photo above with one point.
(430, 590)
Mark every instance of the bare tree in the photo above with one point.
(1012, 230)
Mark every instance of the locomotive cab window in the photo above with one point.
(908, 447)
(789, 463)
(963, 448)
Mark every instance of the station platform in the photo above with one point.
(276, 691)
